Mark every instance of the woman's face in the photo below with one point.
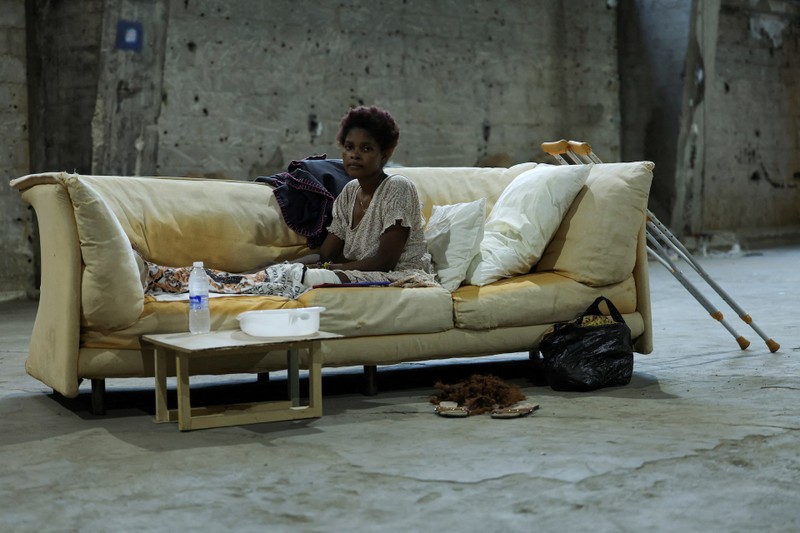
(362, 154)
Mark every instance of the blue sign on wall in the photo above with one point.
(129, 35)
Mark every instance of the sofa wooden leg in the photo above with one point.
(538, 374)
(370, 380)
(98, 397)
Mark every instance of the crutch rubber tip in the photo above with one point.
(773, 346)
(743, 343)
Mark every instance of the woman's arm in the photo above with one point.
(310, 259)
(331, 249)
(390, 248)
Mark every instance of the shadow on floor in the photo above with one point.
(393, 381)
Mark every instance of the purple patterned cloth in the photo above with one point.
(305, 195)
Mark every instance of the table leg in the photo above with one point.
(315, 378)
(184, 402)
(293, 365)
(160, 363)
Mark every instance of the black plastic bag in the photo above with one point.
(590, 352)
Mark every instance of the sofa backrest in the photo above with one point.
(230, 225)
(236, 225)
(454, 185)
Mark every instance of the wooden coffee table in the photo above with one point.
(185, 347)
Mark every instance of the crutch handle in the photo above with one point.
(580, 148)
(556, 147)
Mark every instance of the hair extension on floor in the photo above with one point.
(479, 394)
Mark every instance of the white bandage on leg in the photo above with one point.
(318, 276)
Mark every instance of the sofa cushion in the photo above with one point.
(596, 242)
(538, 298)
(454, 233)
(362, 311)
(111, 290)
(525, 217)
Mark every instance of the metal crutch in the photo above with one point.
(656, 227)
(658, 230)
(660, 254)
(658, 233)
(582, 153)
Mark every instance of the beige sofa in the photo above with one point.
(92, 307)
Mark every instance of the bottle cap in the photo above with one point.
(198, 264)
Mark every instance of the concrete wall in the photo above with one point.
(753, 156)
(653, 38)
(64, 53)
(248, 86)
(129, 89)
(17, 234)
(738, 150)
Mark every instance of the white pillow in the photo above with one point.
(524, 219)
(454, 234)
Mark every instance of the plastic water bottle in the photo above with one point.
(199, 315)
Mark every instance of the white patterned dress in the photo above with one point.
(395, 199)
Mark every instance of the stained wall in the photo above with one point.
(738, 166)
(17, 233)
(249, 86)
(752, 149)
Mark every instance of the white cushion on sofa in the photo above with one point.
(454, 233)
(524, 219)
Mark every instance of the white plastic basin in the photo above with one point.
(280, 322)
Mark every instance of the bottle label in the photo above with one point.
(198, 302)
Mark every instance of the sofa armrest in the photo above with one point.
(53, 351)
(26, 182)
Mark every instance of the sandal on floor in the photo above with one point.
(515, 411)
(451, 410)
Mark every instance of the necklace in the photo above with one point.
(360, 190)
(360, 200)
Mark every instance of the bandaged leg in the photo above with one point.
(318, 276)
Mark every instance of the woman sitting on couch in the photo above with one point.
(376, 234)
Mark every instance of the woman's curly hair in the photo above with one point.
(377, 121)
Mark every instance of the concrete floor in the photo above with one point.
(705, 438)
